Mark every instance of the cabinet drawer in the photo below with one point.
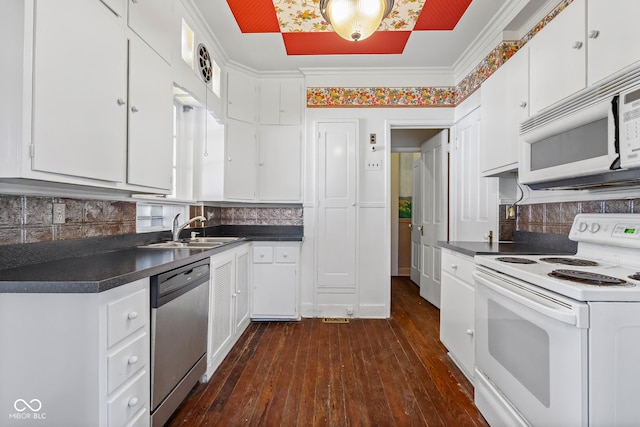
(125, 363)
(286, 255)
(126, 316)
(460, 266)
(263, 254)
(128, 403)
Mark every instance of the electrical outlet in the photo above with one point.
(59, 214)
(373, 165)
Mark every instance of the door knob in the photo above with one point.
(421, 229)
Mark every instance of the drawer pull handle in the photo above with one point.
(577, 45)
(133, 315)
(469, 332)
(133, 402)
(454, 266)
(133, 360)
(284, 256)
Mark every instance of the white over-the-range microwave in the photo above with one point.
(590, 139)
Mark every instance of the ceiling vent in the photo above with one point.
(204, 63)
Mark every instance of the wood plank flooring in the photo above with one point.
(391, 372)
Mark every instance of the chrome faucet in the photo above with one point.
(175, 229)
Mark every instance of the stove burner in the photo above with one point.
(635, 276)
(588, 278)
(575, 262)
(514, 260)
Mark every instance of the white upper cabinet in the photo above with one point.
(241, 167)
(92, 107)
(241, 96)
(558, 58)
(280, 164)
(589, 41)
(505, 103)
(150, 148)
(280, 101)
(79, 90)
(611, 37)
(154, 22)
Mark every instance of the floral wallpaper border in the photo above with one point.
(425, 97)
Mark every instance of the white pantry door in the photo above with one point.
(416, 222)
(337, 205)
(434, 213)
(474, 199)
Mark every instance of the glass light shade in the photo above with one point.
(355, 20)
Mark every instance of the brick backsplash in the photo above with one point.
(556, 218)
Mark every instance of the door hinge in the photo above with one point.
(32, 150)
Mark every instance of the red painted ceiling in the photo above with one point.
(259, 16)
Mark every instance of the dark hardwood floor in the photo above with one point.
(392, 372)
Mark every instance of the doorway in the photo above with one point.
(416, 236)
(405, 151)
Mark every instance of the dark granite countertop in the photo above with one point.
(525, 243)
(105, 265)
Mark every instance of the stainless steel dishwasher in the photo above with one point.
(179, 321)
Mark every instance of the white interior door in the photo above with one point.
(434, 213)
(337, 205)
(416, 222)
(474, 199)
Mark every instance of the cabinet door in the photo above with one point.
(456, 320)
(558, 58)
(280, 102)
(611, 36)
(280, 176)
(290, 102)
(241, 161)
(154, 22)
(274, 291)
(79, 98)
(241, 314)
(220, 303)
(269, 102)
(150, 148)
(504, 104)
(241, 97)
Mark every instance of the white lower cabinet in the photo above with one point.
(228, 305)
(457, 325)
(275, 281)
(76, 359)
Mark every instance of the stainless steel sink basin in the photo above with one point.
(195, 243)
(183, 245)
(213, 239)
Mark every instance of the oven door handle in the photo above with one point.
(558, 313)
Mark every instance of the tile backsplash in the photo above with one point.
(28, 219)
(556, 218)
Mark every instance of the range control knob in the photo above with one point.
(582, 226)
(594, 227)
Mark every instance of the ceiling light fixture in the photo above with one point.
(355, 20)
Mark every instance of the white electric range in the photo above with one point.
(558, 337)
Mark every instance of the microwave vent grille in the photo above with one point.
(584, 99)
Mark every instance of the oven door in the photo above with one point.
(531, 353)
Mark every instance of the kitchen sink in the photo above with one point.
(195, 243)
(213, 239)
